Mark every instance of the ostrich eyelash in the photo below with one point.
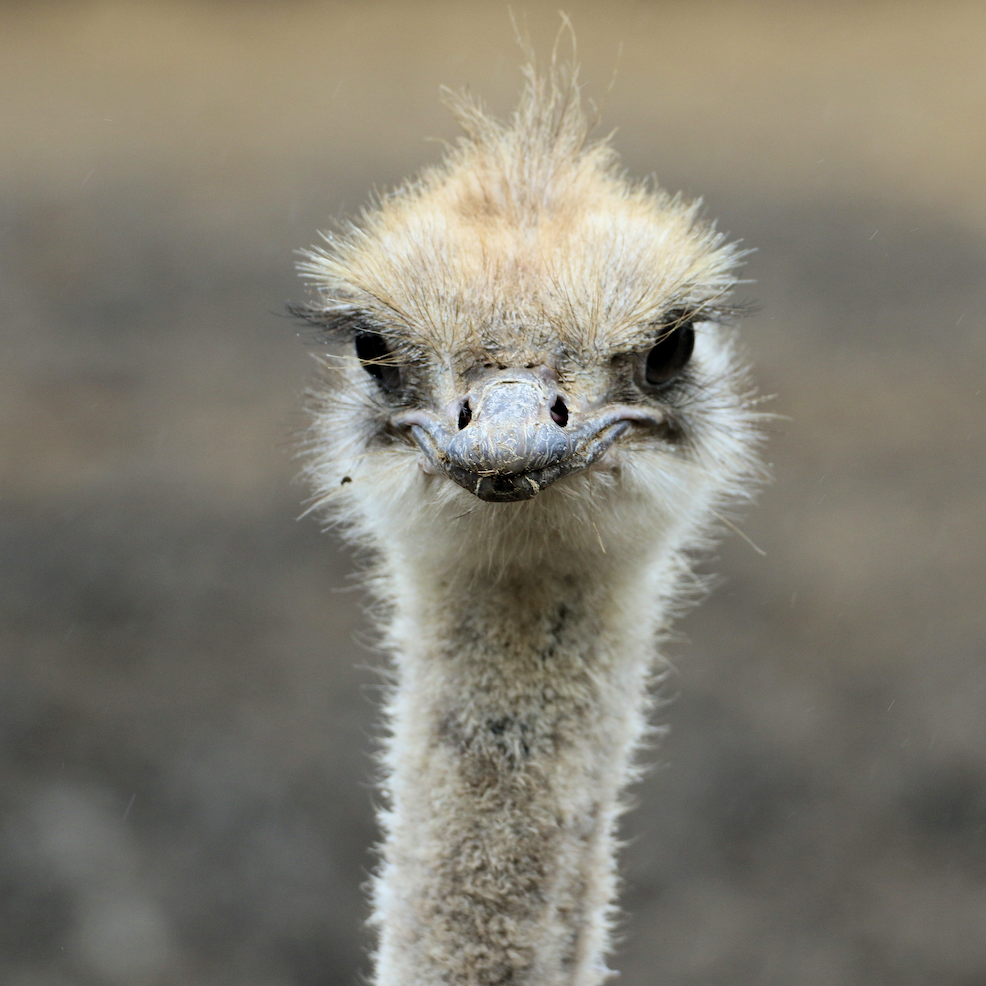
(338, 323)
(346, 324)
(718, 313)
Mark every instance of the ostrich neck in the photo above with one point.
(518, 704)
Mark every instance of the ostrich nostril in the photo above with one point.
(465, 415)
(559, 413)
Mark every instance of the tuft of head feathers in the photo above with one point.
(526, 232)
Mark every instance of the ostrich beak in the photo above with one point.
(514, 438)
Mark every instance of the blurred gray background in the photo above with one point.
(188, 701)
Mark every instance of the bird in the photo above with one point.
(533, 415)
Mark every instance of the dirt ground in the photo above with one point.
(188, 701)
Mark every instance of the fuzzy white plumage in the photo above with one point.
(537, 414)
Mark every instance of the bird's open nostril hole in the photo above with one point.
(559, 413)
(465, 415)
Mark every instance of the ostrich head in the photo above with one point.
(535, 351)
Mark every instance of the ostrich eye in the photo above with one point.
(668, 357)
(378, 360)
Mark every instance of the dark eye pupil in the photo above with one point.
(669, 356)
(378, 360)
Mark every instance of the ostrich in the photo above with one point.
(536, 415)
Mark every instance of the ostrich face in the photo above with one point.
(514, 427)
(524, 324)
(505, 422)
